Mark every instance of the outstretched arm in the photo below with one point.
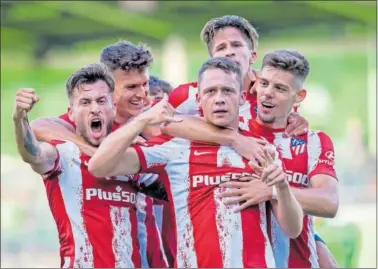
(194, 128)
(114, 156)
(48, 129)
(41, 156)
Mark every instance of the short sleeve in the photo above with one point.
(183, 99)
(321, 155)
(57, 170)
(154, 157)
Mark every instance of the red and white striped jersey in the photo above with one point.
(183, 99)
(149, 236)
(303, 156)
(96, 218)
(208, 233)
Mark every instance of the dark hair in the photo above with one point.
(288, 60)
(89, 75)
(244, 26)
(126, 56)
(225, 64)
(155, 82)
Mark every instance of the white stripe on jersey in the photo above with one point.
(229, 157)
(157, 211)
(122, 247)
(229, 226)
(283, 144)
(142, 229)
(312, 244)
(186, 255)
(280, 244)
(314, 150)
(70, 183)
(269, 257)
(245, 111)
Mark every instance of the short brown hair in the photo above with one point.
(225, 64)
(89, 75)
(244, 26)
(126, 56)
(288, 60)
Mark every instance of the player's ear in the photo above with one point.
(300, 96)
(198, 98)
(253, 57)
(243, 97)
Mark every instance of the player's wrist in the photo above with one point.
(19, 116)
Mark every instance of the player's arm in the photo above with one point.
(48, 129)
(115, 156)
(322, 198)
(287, 210)
(41, 156)
(194, 128)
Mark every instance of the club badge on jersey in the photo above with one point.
(298, 146)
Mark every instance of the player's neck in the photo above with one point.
(122, 118)
(279, 123)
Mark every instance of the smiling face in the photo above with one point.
(277, 91)
(92, 111)
(229, 42)
(219, 97)
(131, 89)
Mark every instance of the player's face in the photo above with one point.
(229, 42)
(93, 111)
(131, 88)
(219, 97)
(156, 94)
(277, 91)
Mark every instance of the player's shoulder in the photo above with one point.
(181, 93)
(65, 148)
(316, 135)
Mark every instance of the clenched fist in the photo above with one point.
(25, 99)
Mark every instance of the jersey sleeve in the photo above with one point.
(66, 118)
(154, 157)
(183, 99)
(57, 170)
(321, 155)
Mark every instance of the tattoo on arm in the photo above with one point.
(29, 141)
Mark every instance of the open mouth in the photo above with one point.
(267, 105)
(96, 125)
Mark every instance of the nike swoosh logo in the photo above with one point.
(85, 163)
(196, 153)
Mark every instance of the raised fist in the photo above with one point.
(25, 99)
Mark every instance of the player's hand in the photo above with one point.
(160, 113)
(250, 148)
(272, 174)
(139, 141)
(297, 125)
(250, 192)
(25, 100)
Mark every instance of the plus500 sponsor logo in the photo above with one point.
(207, 180)
(119, 196)
(297, 178)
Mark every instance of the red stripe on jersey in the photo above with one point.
(168, 235)
(299, 248)
(58, 210)
(155, 256)
(102, 256)
(200, 218)
(180, 94)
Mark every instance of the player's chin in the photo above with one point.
(221, 122)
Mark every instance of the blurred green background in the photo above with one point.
(43, 42)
